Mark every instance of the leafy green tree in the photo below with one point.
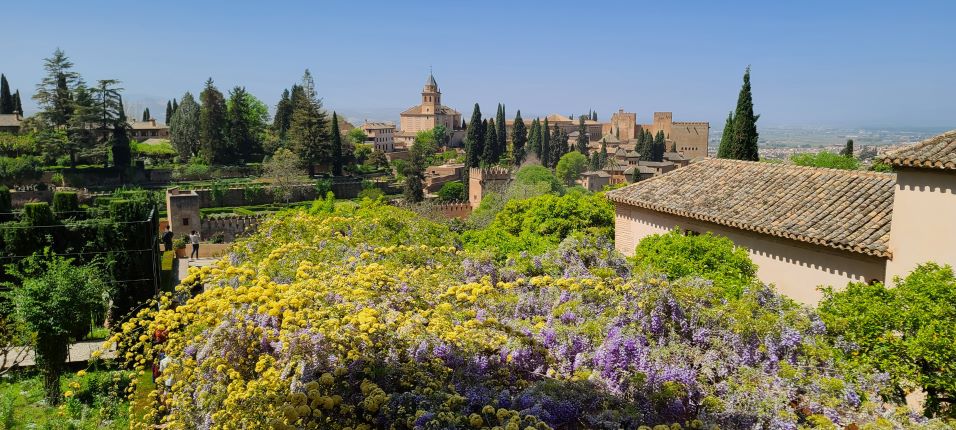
(594, 162)
(582, 142)
(54, 299)
(378, 159)
(169, 111)
(309, 131)
(284, 171)
(908, 332)
(519, 136)
(534, 174)
(825, 159)
(726, 138)
(7, 104)
(474, 139)
(54, 93)
(545, 155)
(453, 191)
(848, 149)
(706, 256)
(213, 145)
(743, 140)
(490, 155)
(570, 167)
(357, 136)
(440, 134)
(336, 146)
(184, 128)
(86, 113)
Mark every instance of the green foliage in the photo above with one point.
(337, 156)
(534, 174)
(54, 299)
(308, 130)
(570, 166)
(541, 222)
(825, 159)
(213, 123)
(908, 331)
(706, 256)
(519, 137)
(357, 136)
(739, 140)
(19, 169)
(474, 139)
(65, 202)
(5, 202)
(184, 128)
(15, 145)
(453, 191)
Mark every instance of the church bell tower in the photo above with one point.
(431, 97)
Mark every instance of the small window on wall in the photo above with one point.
(185, 221)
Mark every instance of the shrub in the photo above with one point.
(826, 159)
(453, 191)
(570, 167)
(706, 256)
(19, 169)
(534, 174)
(908, 331)
(65, 202)
(217, 237)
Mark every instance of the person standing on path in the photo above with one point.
(194, 239)
(168, 239)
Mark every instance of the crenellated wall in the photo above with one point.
(230, 227)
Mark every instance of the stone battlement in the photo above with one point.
(691, 123)
(494, 172)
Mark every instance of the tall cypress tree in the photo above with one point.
(501, 145)
(169, 111)
(848, 149)
(594, 116)
(336, 145)
(519, 136)
(745, 134)
(534, 138)
(603, 159)
(145, 114)
(490, 154)
(659, 142)
(175, 105)
(725, 150)
(19, 106)
(121, 147)
(283, 117)
(7, 105)
(559, 145)
(474, 139)
(582, 142)
(644, 145)
(545, 144)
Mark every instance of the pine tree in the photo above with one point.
(336, 146)
(582, 142)
(7, 105)
(474, 139)
(214, 147)
(519, 136)
(169, 111)
(545, 155)
(489, 155)
(848, 149)
(54, 94)
(501, 129)
(745, 134)
(240, 132)
(463, 125)
(19, 106)
(725, 150)
(308, 132)
(80, 128)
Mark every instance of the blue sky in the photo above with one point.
(815, 63)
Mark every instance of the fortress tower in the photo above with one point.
(480, 181)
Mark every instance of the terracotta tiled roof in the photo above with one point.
(10, 120)
(417, 110)
(938, 152)
(842, 209)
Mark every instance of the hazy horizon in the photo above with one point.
(814, 64)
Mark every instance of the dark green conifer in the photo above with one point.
(745, 134)
(545, 156)
(7, 104)
(519, 136)
(490, 155)
(169, 111)
(336, 145)
(582, 141)
(474, 139)
(725, 150)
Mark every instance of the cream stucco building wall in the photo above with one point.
(924, 220)
(795, 268)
